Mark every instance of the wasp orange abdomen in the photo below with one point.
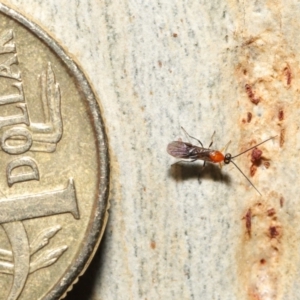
(216, 156)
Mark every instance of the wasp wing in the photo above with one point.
(184, 150)
(180, 149)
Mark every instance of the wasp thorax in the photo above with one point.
(227, 158)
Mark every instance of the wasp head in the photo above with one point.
(227, 158)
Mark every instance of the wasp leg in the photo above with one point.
(192, 137)
(212, 139)
(199, 174)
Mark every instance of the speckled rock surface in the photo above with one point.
(221, 66)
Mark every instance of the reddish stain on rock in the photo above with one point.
(262, 261)
(288, 74)
(271, 212)
(253, 170)
(250, 41)
(280, 115)
(251, 95)
(256, 155)
(281, 201)
(248, 220)
(261, 267)
(153, 245)
(249, 117)
(274, 232)
(282, 137)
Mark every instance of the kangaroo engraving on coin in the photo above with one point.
(53, 164)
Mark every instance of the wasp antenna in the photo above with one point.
(254, 147)
(246, 176)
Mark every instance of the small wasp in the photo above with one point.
(186, 150)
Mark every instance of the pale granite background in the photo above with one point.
(156, 66)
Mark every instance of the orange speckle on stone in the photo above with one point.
(248, 218)
(249, 117)
(153, 245)
(282, 137)
(251, 95)
(288, 74)
(253, 169)
(262, 261)
(280, 115)
(271, 212)
(281, 201)
(273, 231)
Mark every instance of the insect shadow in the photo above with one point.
(185, 171)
